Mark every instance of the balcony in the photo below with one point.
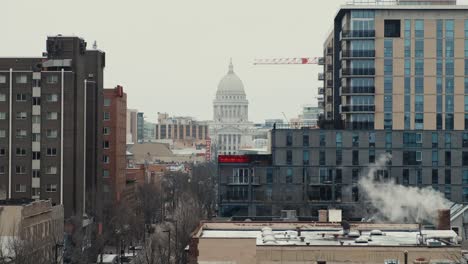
(358, 34)
(357, 108)
(321, 104)
(329, 50)
(320, 91)
(358, 72)
(358, 54)
(329, 83)
(359, 125)
(321, 76)
(329, 68)
(357, 90)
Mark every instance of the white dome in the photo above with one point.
(231, 84)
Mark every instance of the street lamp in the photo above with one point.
(169, 253)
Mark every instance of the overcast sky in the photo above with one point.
(170, 55)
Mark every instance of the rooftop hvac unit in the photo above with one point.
(288, 215)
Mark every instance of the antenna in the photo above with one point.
(95, 45)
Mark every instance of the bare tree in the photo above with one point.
(156, 248)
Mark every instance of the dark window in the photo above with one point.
(435, 176)
(355, 176)
(448, 177)
(322, 160)
(322, 139)
(435, 140)
(448, 158)
(371, 155)
(355, 194)
(355, 157)
(412, 157)
(305, 140)
(339, 156)
(269, 175)
(355, 139)
(289, 175)
(465, 158)
(405, 177)
(338, 176)
(305, 157)
(392, 28)
(289, 157)
(419, 176)
(465, 140)
(289, 139)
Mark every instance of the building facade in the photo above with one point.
(230, 129)
(51, 126)
(114, 143)
(132, 126)
(181, 129)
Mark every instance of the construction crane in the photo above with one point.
(282, 61)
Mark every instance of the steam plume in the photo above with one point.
(398, 203)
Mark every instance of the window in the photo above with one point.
(338, 176)
(20, 188)
(448, 176)
(435, 140)
(36, 119)
(305, 140)
(2, 78)
(405, 177)
(21, 97)
(106, 130)
(107, 102)
(435, 176)
(105, 174)
(21, 115)
(2, 115)
(339, 139)
(371, 139)
(465, 140)
(105, 159)
(106, 116)
(51, 151)
(52, 98)
(51, 133)
(21, 133)
(448, 192)
(435, 158)
(305, 157)
(355, 157)
(465, 194)
(2, 97)
(51, 170)
(355, 139)
(269, 175)
(289, 175)
(36, 155)
(412, 157)
(419, 28)
(52, 115)
(22, 78)
(465, 177)
(51, 187)
(419, 176)
(20, 152)
(322, 160)
(322, 139)
(2, 151)
(2, 169)
(2, 133)
(465, 158)
(105, 144)
(36, 137)
(20, 170)
(289, 157)
(36, 173)
(289, 140)
(448, 158)
(448, 140)
(339, 157)
(36, 101)
(51, 79)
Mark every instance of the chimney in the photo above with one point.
(443, 220)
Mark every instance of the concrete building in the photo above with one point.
(140, 126)
(149, 133)
(30, 227)
(132, 126)
(310, 115)
(181, 130)
(230, 129)
(114, 142)
(321, 243)
(51, 126)
(397, 65)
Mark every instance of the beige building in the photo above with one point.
(400, 65)
(37, 224)
(320, 243)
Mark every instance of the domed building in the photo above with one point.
(230, 129)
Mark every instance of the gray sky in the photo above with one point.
(170, 55)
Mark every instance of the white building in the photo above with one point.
(231, 129)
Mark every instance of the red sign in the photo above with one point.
(233, 159)
(208, 150)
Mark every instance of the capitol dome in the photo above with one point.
(231, 84)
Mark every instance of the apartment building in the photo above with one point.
(51, 126)
(180, 128)
(114, 142)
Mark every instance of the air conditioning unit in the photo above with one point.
(288, 215)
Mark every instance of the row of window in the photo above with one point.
(22, 97)
(24, 115)
(36, 174)
(22, 133)
(22, 152)
(21, 188)
(23, 78)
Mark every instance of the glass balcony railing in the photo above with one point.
(358, 53)
(357, 90)
(357, 108)
(358, 33)
(358, 71)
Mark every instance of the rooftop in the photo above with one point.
(327, 234)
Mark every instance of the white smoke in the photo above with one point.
(398, 203)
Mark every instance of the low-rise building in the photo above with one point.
(321, 243)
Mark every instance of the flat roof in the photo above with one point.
(327, 234)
